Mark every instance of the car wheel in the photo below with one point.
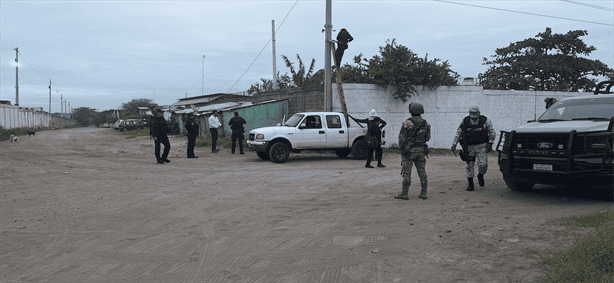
(279, 152)
(516, 185)
(360, 150)
(343, 152)
(263, 155)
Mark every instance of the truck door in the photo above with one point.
(310, 133)
(336, 133)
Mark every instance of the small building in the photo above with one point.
(257, 114)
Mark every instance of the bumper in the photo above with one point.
(257, 146)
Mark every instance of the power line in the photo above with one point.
(526, 13)
(250, 65)
(28, 79)
(589, 5)
(24, 58)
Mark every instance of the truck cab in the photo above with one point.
(572, 142)
(328, 131)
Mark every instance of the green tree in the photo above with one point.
(84, 115)
(302, 77)
(548, 62)
(398, 66)
(283, 82)
(131, 108)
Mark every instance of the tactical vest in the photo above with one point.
(418, 138)
(476, 134)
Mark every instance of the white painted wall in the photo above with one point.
(15, 117)
(445, 107)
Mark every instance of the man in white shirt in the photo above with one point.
(214, 124)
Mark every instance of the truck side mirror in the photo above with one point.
(302, 126)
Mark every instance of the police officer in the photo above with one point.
(158, 129)
(193, 129)
(414, 134)
(375, 125)
(236, 125)
(476, 135)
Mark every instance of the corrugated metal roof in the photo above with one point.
(220, 107)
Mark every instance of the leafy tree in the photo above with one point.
(132, 107)
(84, 115)
(398, 66)
(106, 116)
(283, 82)
(302, 78)
(548, 62)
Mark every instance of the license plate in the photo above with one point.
(542, 167)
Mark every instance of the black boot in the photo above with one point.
(470, 186)
(481, 179)
(368, 165)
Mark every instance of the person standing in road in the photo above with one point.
(374, 128)
(236, 125)
(193, 129)
(214, 124)
(158, 129)
(476, 135)
(414, 134)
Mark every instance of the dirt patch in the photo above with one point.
(90, 205)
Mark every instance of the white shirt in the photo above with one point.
(214, 123)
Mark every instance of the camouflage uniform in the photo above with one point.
(476, 152)
(414, 151)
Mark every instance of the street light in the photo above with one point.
(203, 88)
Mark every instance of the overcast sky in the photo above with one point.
(101, 54)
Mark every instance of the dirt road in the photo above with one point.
(91, 205)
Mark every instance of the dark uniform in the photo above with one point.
(374, 128)
(236, 125)
(414, 134)
(193, 129)
(158, 129)
(343, 37)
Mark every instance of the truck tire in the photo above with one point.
(360, 150)
(263, 155)
(515, 185)
(343, 152)
(279, 152)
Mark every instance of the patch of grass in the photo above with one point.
(590, 258)
(593, 220)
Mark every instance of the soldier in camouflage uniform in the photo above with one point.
(476, 135)
(413, 136)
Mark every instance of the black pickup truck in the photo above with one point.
(571, 143)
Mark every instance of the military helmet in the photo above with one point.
(416, 108)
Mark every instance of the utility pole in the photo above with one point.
(328, 89)
(274, 59)
(16, 76)
(61, 104)
(203, 88)
(49, 96)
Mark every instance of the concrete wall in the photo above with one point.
(445, 107)
(15, 117)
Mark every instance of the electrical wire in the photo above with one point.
(526, 13)
(24, 58)
(589, 5)
(250, 65)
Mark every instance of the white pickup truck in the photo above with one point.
(309, 131)
(572, 142)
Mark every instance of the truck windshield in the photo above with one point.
(294, 120)
(597, 108)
